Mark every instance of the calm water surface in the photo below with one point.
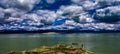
(99, 43)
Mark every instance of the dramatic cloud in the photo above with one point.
(20, 4)
(109, 14)
(33, 15)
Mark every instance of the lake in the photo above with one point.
(99, 43)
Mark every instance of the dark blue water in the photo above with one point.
(99, 43)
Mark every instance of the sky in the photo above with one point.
(32, 15)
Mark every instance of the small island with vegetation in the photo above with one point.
(57, 49)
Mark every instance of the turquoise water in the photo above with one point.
(99, 43)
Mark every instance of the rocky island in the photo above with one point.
(57, 49)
